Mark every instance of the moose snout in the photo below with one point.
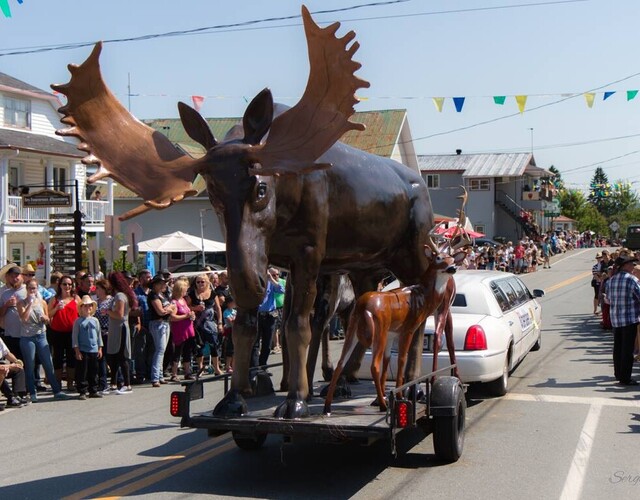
(451, 270)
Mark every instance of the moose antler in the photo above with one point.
(127, 150)
(303, 133)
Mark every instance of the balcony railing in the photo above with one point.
(94, 211)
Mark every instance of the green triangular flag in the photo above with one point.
(631, 94)
(6, 10)
(499, 99)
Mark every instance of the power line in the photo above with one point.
(251, 24)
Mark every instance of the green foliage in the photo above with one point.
(572, 203)
(557, 180)
(592, 219)
(600, 194)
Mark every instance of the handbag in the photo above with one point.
(206, 328)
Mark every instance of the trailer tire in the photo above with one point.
(249, 442)
(448, 431)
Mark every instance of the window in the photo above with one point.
(17, 112)
(459, 301)
(15, 169)
(479, 184)
(480, 228)
(500, 296)
(432, 180)
(59, 181)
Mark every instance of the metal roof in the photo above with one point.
(483, 165)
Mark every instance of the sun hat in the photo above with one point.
(28, 269)
(87, 300)
(11, 267)
(621, 261)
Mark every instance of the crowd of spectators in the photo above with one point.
(89, 336)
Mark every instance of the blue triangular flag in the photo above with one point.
(458, 102)
(607, 95)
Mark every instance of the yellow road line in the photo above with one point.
(141, 471)
(165, 473)
(567, 282)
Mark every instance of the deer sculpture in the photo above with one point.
(443, 320)
(379, 317)
(297, 199)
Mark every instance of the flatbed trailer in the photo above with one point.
(434, 402)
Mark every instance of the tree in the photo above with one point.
(556, 180)
(600, 194)
(624, 198)
(572, 203)
(591, 219)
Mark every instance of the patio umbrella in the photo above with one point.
(179, 242)
(448, 232)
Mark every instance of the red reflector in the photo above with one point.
(475, 340)
(403, 414)
(175, 404)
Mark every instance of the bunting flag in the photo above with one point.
(197, 101)
(589, 97)
(499, 99)
(458, 102)
(607, 95)
(522, 102)
(631, 94)
(438, 102)
(6, 9)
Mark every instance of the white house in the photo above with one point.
(33, 158)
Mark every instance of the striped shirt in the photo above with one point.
(624, 295)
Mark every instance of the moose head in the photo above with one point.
(241, 172)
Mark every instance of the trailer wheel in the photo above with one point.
(448, 431)
(249, 442)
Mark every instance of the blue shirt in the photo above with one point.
(624, 295)
(86, 334)
(269, 301)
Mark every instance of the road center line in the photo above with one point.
(142, 471)
(549, 398)
(566, 282)
(575, 479)
(165, 473)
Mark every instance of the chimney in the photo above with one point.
(458, 151)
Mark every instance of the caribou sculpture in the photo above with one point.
(298, 199)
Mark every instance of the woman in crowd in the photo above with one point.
(160, 311)
(34, 315)
(182, 332)
(119, 337)
(63, 312)
(105, 301)
(208, 323)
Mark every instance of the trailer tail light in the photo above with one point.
(175, 407)
(475, 340)
(404, 414)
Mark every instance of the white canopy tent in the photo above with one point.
(179, 242)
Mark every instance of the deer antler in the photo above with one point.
(303, 133)
(127, 150)
(460, 238)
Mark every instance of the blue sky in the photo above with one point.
(410, 51)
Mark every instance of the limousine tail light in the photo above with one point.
(475, 340)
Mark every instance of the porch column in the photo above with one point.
(109, 196)
(49, 172)
(4, 207)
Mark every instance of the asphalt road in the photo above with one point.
(565, 430)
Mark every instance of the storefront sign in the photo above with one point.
(47, 198)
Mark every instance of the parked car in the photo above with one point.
(195, 267)
(496, 322)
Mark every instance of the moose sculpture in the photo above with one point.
(298, 199)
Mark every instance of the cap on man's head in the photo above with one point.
(598, 255)
(166, 272)
(158, 278)
(127, 275)
(621, 261)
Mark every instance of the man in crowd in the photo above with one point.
(85, 285)
(267, 316)
(142, 341)
(624, 295)
(11, 367)
(10, 294)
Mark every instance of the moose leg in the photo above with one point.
(318, 325)
(244, 336)
(284, 382)
(298, 333)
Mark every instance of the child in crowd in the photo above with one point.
(229, 316)
(87, 344)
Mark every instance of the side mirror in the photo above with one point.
(538, 293)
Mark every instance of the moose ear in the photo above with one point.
(195, 126)
(258, 117)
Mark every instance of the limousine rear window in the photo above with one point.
(460, 300)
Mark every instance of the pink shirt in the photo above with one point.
(182, 329)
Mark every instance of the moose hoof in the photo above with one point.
(232, 405)
(291, 409)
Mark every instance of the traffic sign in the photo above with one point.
(614, 226)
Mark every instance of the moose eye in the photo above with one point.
(261, 190)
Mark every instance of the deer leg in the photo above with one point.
(350, 342)
(436, 343)
(448, 331)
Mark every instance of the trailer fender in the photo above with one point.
(444, 397)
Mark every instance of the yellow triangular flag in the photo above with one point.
(522, 101)
(438, 102)
(589, 97)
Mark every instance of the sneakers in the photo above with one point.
(60, 395)
(14, 402)
(95, 395)
(82, 396)
(124, 390)
(33, 398)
